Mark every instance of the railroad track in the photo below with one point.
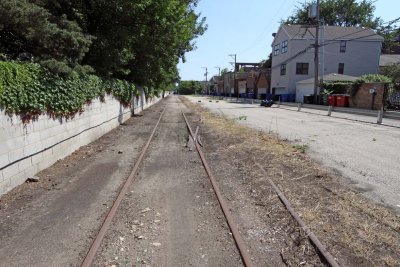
(241, 246)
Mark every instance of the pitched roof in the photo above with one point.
(216, 78)
(332, 77)
(264, 72)
(332, 32)
(389, 59)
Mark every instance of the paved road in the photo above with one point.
(367, 155)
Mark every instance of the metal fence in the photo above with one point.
(392, 98)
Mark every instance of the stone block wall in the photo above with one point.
(27, 149)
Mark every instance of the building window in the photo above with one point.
(302, 68)
(343, 46)
(276, 50)
(283, 69)
(284, 47)
(341, 68)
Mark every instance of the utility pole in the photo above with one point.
(219, 77)
(316, 56)
(234, 77)
(205, 84)
(219, 70)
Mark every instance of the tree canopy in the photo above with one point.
(223, 71)
(392, 71)
(139, 41)
(189, 87)
(30, 31)
(339, 13)
(348, 13)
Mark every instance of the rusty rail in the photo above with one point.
(111, 213)
(235, 232)
(321, 248)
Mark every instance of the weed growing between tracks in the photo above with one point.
(354, 230)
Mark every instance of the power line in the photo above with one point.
(335, 40)
(269, 25)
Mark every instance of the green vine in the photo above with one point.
(28, 90)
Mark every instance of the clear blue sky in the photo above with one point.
(245, 28)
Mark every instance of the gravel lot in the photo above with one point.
(367, 155)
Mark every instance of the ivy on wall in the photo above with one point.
(28, 90)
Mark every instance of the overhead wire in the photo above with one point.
(335, 40)
(269, 25)
(265, 29)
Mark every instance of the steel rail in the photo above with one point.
(321, 248)
(111, 213)
(235, 232)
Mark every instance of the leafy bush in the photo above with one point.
(27, 89)
(338, 87)
(373, 78)
(369, 78)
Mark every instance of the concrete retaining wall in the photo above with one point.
(27, 149)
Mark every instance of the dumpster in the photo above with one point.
(308, 99)
(342, 100)
(332, 100)
(292, 97)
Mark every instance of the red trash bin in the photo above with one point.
(342, 100)
(332, 100)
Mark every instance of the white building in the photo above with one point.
(344, 50)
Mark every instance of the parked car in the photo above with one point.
(266, 103)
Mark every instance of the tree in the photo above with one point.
(189, 87)
(392, 71)
(223, 71)
(29, 31)
(140, 41)
(266, 64)
(391, 33)
(349, 13)
(344, 13)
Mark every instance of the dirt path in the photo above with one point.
(51, 223)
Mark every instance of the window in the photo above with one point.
(302, 68)
(341, 68)
(342, 46)
(276, 50)
(284, 47)
(283, 69)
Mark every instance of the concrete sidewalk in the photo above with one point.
(390, 118)
(342, 113)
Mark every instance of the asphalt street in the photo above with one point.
(365, 154)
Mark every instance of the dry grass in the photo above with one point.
(355, 230)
